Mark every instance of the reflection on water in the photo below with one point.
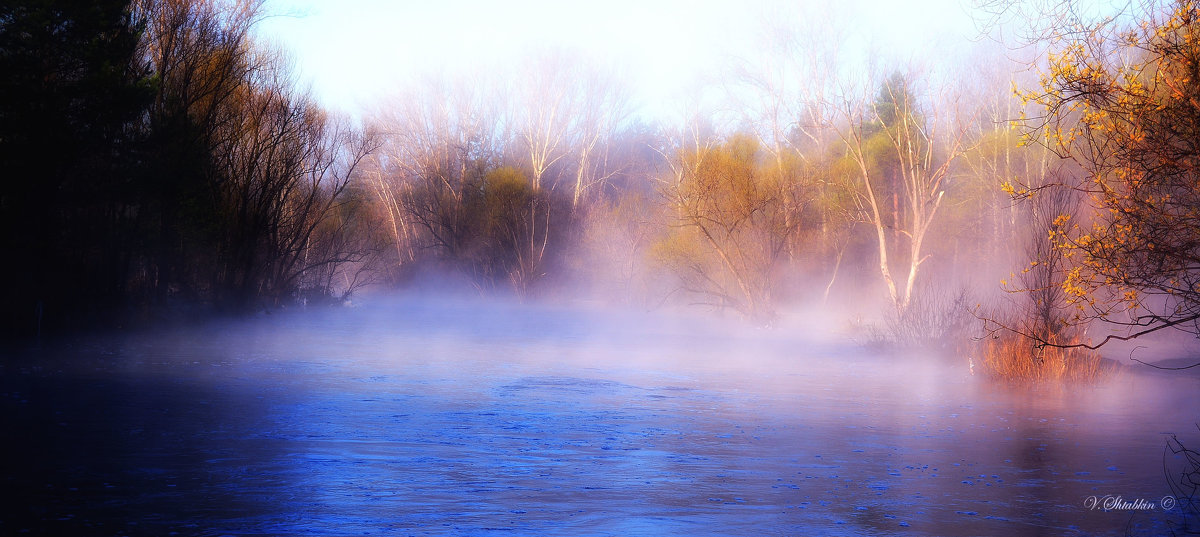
(456, 418)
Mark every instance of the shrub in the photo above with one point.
(1012, 357)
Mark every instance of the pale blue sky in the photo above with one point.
(353, 52)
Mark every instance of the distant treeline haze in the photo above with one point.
(158, 160)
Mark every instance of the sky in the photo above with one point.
(353, 53)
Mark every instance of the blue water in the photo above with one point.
(424, 417)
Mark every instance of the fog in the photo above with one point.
(442, 415)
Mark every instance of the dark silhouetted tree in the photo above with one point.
(72, 101)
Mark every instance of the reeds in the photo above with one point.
(1013, 357)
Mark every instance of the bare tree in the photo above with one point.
(457, 186)
(731, 230)
(439, 144)
(569, 106)
(198, 53)
(253, 171)
(896, 146)
(605, 111)
(784, 93)
(548, 112)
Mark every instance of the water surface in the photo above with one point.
(420, 417)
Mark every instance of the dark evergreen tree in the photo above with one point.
(72, 101)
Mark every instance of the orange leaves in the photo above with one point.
(1096, 120)
(1122, 106)
(1012, 190)
(1075, 286)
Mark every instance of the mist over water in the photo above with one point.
(422, 415)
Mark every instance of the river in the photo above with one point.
(417, 416)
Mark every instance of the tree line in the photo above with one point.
(157, 157)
